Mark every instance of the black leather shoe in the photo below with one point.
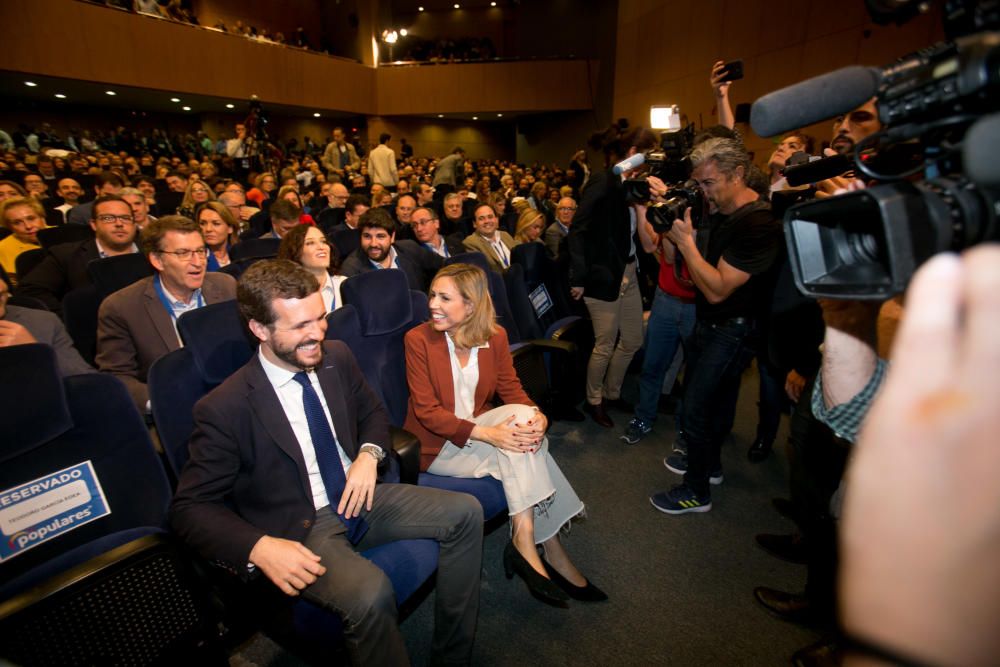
(598, 414)
(758, 451)
(824, 653)
(789, 548)
(619, 404)
(588, 593)
(540, 587)
(788, 606)
(786, 508)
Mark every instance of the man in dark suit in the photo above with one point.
(380, 250)
(281, 479)
(21, 326)
(138, 324)
(427, 229)
(64, 267)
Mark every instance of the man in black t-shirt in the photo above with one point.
(730, 260)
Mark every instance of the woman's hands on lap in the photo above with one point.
(522, 438)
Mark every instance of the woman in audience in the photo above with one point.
(197, 193)
(10, 189)
(291, 194)
(23, 217)
(308, 246)
(487, 239)
(219, 229)
(264, 187)
(454, 364)
(529, 227)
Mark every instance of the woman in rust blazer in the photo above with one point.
(455, 363)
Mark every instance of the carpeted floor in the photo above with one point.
(680, 587)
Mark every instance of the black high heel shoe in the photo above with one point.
(588, 593)
(540, 587)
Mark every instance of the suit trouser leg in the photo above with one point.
(455, 520)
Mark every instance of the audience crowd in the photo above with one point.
(703, 298)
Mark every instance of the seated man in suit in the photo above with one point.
(21, 326)
(346, 235)
(380, 250)
(427, 229)
(284, 216)
(138, 324)
(64, 267)
(556, 233)
(282, 477)
(494, 243)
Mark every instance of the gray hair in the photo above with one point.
(728, 154)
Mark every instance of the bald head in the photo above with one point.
(338, 195)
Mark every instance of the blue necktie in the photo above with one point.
(327, 456)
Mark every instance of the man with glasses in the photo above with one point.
(559, 230)
(427, 230)
(64, 267)
(138, 324)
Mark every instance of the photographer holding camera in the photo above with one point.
(730, 266)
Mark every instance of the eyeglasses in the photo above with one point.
(186, 254)
(110, 219)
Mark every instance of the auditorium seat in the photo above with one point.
(52, 236)
(114, 588)
(254, 249)
(110, 274)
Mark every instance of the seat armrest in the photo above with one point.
(406, 447)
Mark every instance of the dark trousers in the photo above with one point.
(773, 401)
(716, 355)
(817, 459)
(361, 593)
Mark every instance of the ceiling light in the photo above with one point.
(316, 115)
(475, 118)
(493, 4)
(30, 84)
(458, 6)
(420, 9)
(110, 92)
(440, 115)
(403, 32)
(499, 115)
(230, 106)
(175, 99)
(186, 108)
(60, 96)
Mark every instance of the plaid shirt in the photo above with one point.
(846, 419)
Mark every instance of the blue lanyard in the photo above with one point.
(166, 302)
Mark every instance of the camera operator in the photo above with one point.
(603, 270)
(729, 264)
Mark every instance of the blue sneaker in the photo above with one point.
(635, 431)
(680, 500)
(678, 463)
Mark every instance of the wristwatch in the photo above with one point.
(375, 451)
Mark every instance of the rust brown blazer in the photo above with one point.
(431, 411)
(134, 330)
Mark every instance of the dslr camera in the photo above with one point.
(938, 111)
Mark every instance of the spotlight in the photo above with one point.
(458, 6)
(420, 9)
(440, 115)
(30, 84)
(475, 118)
(186, 108)
(175, 99)
(60, 96)
(316, 115)
(110, 92)
(493, 4)
(230, 106)
(499, 115)
(403, 32)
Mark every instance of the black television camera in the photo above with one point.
(867, 244)
(671, 164)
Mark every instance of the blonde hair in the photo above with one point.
(480, 325)
(527, 218)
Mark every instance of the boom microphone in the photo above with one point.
(814, 99)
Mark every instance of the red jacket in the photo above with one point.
(431, 412)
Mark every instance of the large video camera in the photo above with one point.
(867, 244)
(672, 165)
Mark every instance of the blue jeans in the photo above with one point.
(670, 321)
(716, 353)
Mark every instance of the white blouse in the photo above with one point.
(464, 380)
